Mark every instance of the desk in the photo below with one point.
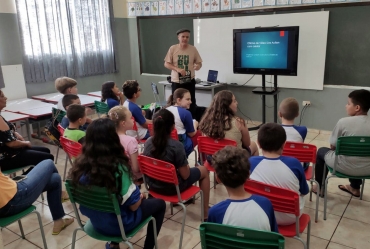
(50, 97)
(25, 104)
(95, 94)
(203, 94)
(87, 100)
(14, 117)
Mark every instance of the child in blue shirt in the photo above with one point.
(111, 94)
(132, 92)
(185, 126)
(103, 163)
(274, 169)
(242, 208)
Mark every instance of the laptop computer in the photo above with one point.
(211, 79)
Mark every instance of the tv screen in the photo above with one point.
(271, 51)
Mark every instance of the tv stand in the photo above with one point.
(263, 91)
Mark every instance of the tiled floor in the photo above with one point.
(347, 224)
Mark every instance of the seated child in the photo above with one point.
(357, 124)
(288, 111)
(65, 85)
(161, 146)
(77, 117)
(186, 127)
(103, 164)
(121, 116)
(111, 94)
(220, 121)
(232, 169)
(68, 100)
(274, 169)
(132, 91)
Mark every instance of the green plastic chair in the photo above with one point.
(57, 115)
(4, 222)
(101, 108)
(218, 236)
(348, 146)
(99, 199)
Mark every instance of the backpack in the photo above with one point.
(51, 127)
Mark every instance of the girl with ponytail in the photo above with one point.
(161, 146)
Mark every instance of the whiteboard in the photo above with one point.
(15, 85)
(213, 37)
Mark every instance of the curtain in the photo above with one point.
(66, 38)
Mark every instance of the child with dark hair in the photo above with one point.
(65, 85)
(186, 127)
(274, 169)
(77, 118)
(220, 121)
(232, 169)
(132, 91)
(68, 100)
(161, 146)
(111, 94)
(103, 163)
(357, 124)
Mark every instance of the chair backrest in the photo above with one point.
(61, 130)
(283, 200)
(157, 169)
(95, 198)
(135, 126)
(353, 146)
(173, 133)
(101, 107)
(58, 114)
(305, 153)
(209, 146)
(72, 148)
(214, 235)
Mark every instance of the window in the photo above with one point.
(66, 38)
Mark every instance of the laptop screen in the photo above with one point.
(212, 76)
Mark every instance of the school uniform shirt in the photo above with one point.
(75, 135)
(255, 212)
(183, 124)
(112, 102)
(284, 172)
(60, 105)
(139, 119)
(295, 133)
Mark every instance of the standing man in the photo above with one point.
(183, 59)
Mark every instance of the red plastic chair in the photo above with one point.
(305, 153)
(285, 201)
(209, 146)
(72, 149)
(61, 130)
(140, 141)
(166, 172)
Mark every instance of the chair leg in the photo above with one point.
(129, 244)
(302, 241)
(155, 233)
(74, 237)
(56, 158)
(318, 189)
(42, 196)
(308, 234)
(214, 180)
(171, 205)
(202, 206)
(65, 168)
(21, 228)
(183, 223)
(362, 188)
(326, 194)
(41, 229)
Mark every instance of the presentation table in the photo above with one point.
(95, 94)
(203, 94)
(14, 117)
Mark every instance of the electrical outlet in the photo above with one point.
(306, 103)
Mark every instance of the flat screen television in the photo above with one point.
(270, 51)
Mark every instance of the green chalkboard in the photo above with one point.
(348, 45)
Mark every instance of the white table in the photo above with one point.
(14, 117)
(26, 104)
(50, 97)
(87, 100)
(203, 94)
(95, 94)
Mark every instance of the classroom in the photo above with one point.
(333, 61)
